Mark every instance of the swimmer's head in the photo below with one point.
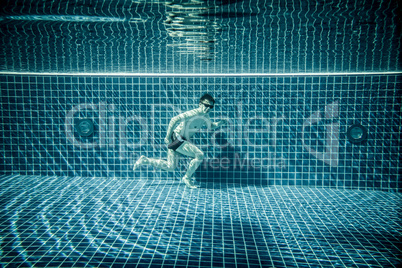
(206, 103)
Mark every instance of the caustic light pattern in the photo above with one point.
(94, 222)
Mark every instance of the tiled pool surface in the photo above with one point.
(302, 72)
(114, 222)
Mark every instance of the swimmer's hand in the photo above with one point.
(223, 122)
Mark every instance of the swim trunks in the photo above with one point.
(177, 141)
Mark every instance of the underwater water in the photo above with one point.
(89, 86)
(192, 36)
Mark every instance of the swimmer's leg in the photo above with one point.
(191, 150)
(169, 165)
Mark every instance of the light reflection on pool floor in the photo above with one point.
(96, 222)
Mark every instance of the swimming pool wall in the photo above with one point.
(283, 130)
(214, 36)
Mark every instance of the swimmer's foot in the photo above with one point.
(139, 162)
(189, 182)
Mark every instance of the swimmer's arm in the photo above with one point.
(215, 125)
(173, 123)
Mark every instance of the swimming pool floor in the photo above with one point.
(98, 222)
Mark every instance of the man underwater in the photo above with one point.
(181, 128)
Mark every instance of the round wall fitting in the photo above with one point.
(357, 133)
(85, 127)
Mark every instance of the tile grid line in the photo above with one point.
(363, 227)
(66, 245)
(33, 216)
(330, 233)
(113, 74)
